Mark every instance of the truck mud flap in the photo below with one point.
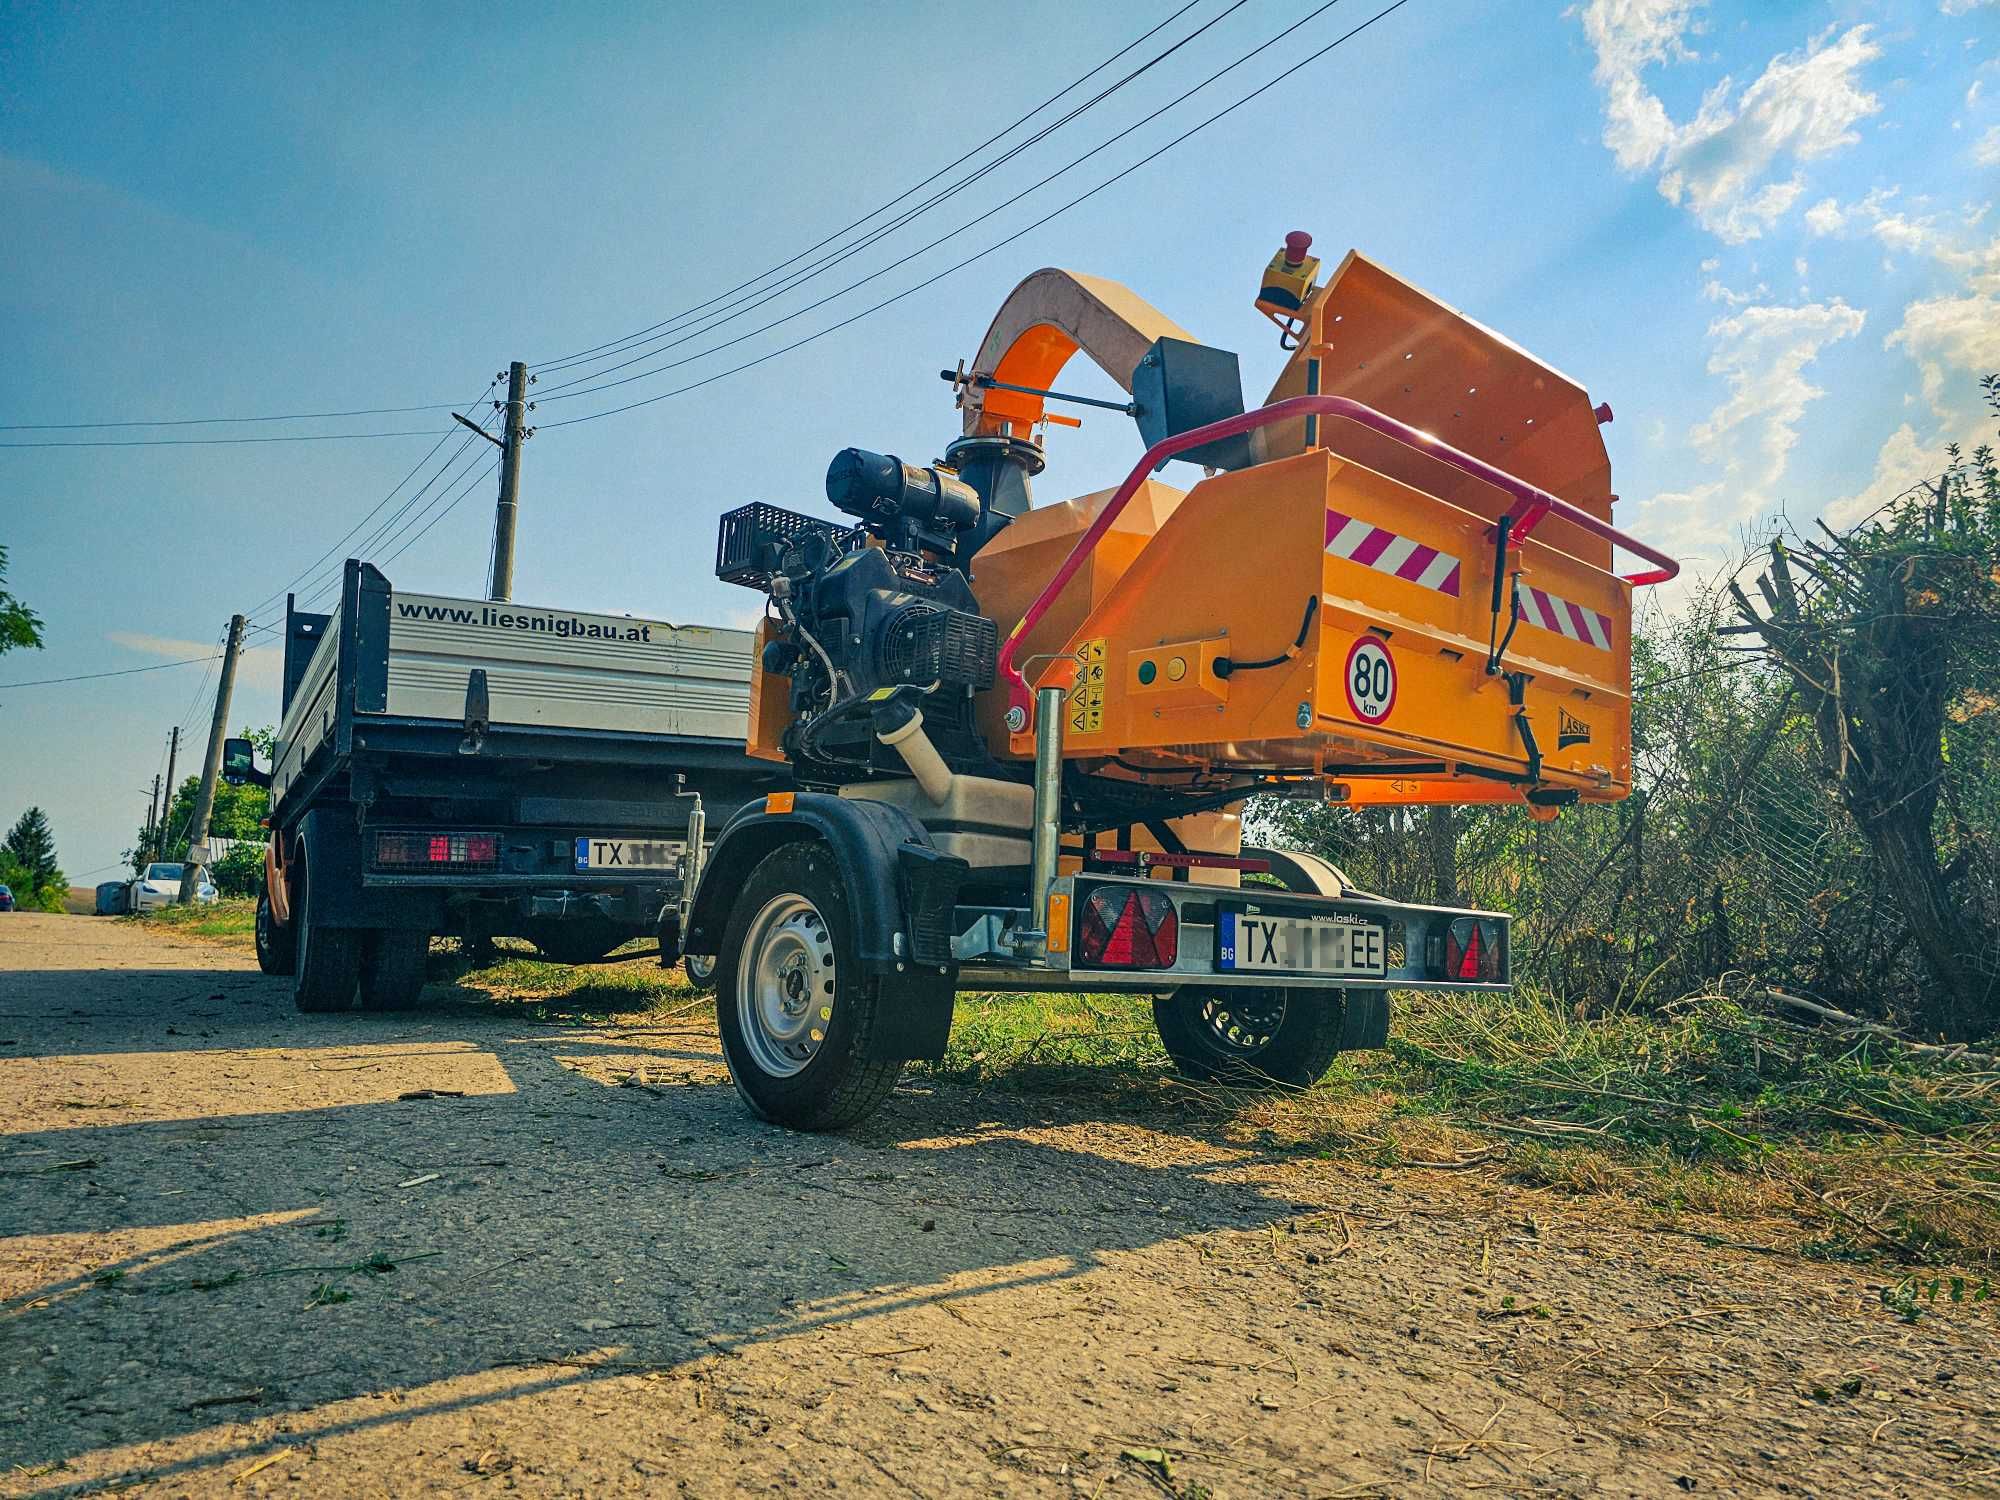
(912, 1018)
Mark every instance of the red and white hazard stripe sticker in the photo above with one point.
(1545, 611)
(1385, 552)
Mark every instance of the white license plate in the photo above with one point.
(1249, 942)
(627, 854)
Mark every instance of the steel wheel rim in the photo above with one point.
(785, 986)
(1243, 1023)
(700, 967)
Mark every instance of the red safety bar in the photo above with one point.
(1538, 503)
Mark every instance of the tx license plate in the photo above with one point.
(627, 854)
(1266, 942)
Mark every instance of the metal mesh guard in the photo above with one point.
(752, 539)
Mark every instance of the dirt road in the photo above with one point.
(251, 1252)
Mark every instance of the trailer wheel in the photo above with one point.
(699, 968)
(794, 1009)
(329, 958)
(277, 947)
(1251, 1036)
(392, 969)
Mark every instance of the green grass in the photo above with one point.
(233, 921)
(1704, 1111)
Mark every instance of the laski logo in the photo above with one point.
(1570, 730)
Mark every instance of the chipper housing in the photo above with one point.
(1022, 735)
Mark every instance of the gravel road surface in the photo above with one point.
(249, 1252)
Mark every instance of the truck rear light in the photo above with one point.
(1475, 951)
(437, 851)
(1123, 928)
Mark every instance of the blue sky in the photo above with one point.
(1761, 231)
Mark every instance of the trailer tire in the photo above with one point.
(328, 969)
(392, 969)
(793, 1006)
(1251, 1037)
(699, 970)
(277, 947)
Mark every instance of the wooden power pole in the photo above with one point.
(511, 439)
(211, 765)
(162, 832)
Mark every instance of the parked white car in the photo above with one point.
(160, 885)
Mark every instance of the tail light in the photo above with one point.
(1125, 928)
(1475, 951)
(437, 851)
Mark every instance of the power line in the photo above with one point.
(88, 676)
(308, 571)
(990, 249)
(710, 322)
(565, 394)
(463, 491)
(296, 416)
(561, 361)
(309, 437)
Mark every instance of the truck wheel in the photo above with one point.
(277, 947)
(700, 971)
(1251, 1036)
(794, 1009)
(392, 969)
(329, 958)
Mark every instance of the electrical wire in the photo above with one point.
(1289, 72)
(161, 666)
(306, 573)
(296, 416)
(710, 322)
(578, 356)
(566, 393)
(310, 437)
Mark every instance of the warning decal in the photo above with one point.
(1086, 696)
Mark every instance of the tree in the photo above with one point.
(30, 869)
(20, 627)
(238, 813)
(1890, 635)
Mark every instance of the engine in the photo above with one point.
(879, 620)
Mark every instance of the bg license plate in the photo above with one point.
(627, 854)
(1267, 942)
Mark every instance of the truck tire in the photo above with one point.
(392, 969)
(277, 947)
(328, 969)
(1249, 1036)
(794, 1008)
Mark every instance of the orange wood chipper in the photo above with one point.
(1022, 733)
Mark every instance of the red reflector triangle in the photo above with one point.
(1123, 947)
(1468, 966)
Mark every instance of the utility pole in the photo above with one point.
(161, 831)
(211, 765)
(512, 437)
(150, 838)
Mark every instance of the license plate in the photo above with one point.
(627, 854)
(1266, 942)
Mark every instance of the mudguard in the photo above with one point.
(883, 853)
(900, 888)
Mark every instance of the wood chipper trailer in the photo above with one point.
(1022, 735)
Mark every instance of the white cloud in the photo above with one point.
(1902, 461)
(1729, 163)
(1986, 150)
(1963, 7)
(1955, 334)
(1825, 217)
(1763, 353)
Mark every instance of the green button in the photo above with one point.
(1147, 672)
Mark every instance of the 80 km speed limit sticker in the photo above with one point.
(1370, 680)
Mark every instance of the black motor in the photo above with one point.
(879, 617)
